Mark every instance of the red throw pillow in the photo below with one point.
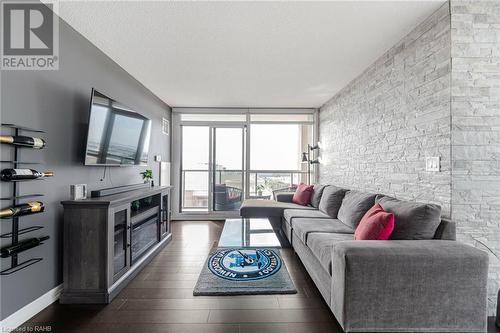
(376, 224)
(302, 195)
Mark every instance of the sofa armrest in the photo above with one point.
(284, 196)
(424, 285)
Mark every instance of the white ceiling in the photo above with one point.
(249, 54)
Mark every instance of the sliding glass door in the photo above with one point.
(212, 169)
(228, 166)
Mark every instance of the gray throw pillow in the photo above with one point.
(316, 196)
(412, 220)
(354, 207)
(331, 199)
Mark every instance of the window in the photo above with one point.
(195, 154)
(275, 146)
(275, 156)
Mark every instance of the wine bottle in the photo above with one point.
(20, 174)
(24, 141)
(21, 246)
(23, 209)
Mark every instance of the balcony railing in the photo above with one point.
(262, 183)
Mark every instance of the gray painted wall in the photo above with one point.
(378, 130)
(475, 98)
(58, 102)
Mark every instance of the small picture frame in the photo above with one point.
(78, 191)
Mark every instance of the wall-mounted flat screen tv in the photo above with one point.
(117, 135)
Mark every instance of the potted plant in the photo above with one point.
(147, 176)
(260, 188)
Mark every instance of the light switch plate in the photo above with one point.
(157, 158)
(433, 164)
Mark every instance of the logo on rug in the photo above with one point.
(244, 264)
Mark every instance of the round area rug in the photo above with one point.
(244, 264)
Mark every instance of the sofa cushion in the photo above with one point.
(291, 214)
(413, 220)
(376, 224)
(321, 245)
(302, 195)
(331, 199)
(267, 208)
(302, 227)
(354, 206)
(316, 195)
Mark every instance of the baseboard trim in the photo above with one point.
(25, 313)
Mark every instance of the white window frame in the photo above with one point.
(176, 135)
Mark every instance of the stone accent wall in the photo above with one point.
(475, 98)
(378, 130)
(435, 93)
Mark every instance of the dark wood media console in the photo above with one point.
(108, 240)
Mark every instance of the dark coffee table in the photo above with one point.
(248, 233)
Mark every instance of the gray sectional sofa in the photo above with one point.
(421, 280)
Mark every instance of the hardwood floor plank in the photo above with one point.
(165, 276)
(162, 284)
(291, 328)
(153, 316)
(301, 303)
(264, 302)
(208, 303)
(270, 316)
(187, 263)
(154, 328)
(170, 304)
(156, 294)
(179, 257)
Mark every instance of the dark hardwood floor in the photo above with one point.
(160, 298)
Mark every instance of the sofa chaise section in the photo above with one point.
(267, 208)
(273, 210)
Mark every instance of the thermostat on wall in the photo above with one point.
(165, 126)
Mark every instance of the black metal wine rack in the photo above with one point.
(16, 162)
